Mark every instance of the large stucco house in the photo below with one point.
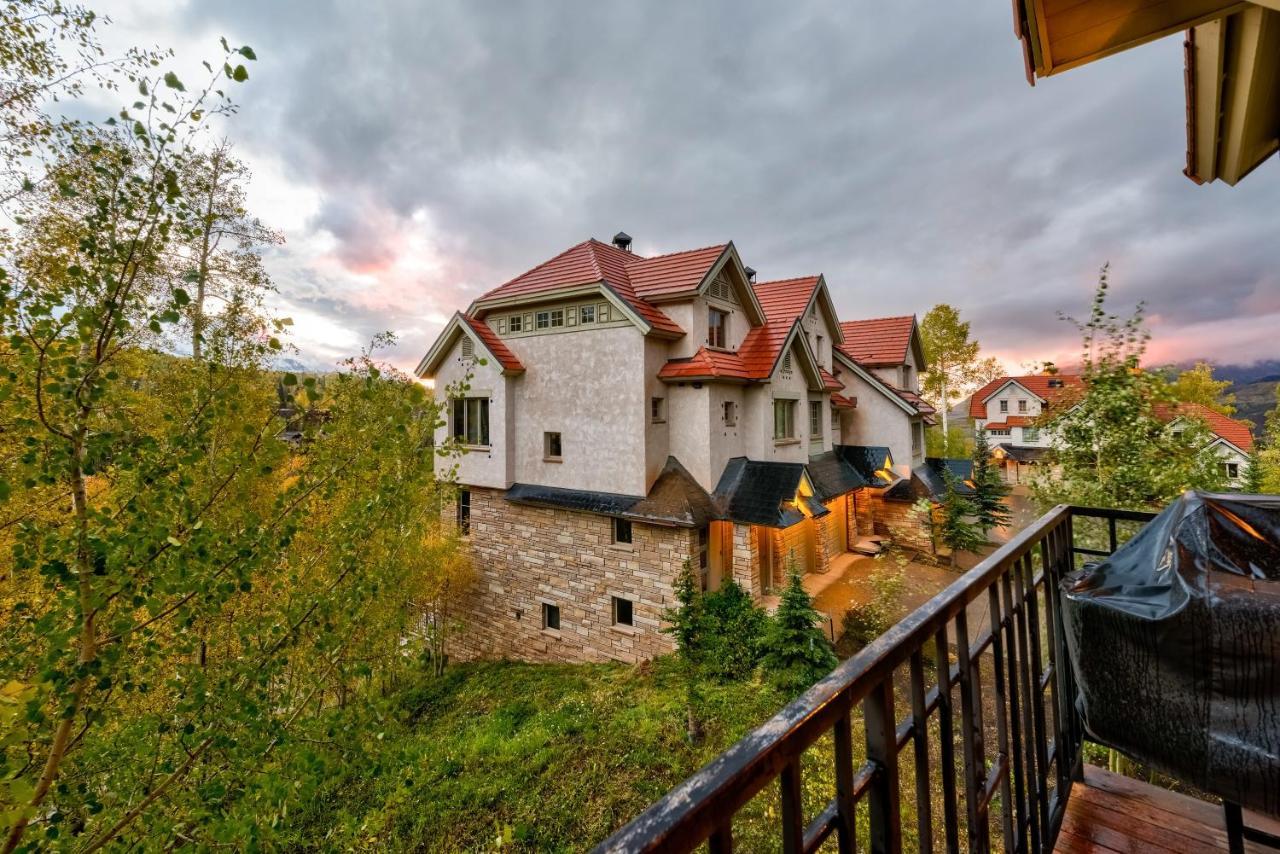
(1012, 411)
(621, 415)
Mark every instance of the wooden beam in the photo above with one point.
(1071, 33)
(1250, 129)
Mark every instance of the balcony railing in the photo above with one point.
(997, 681)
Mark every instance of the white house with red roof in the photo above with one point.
(1012, 411)
(620, 415)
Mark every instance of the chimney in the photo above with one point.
(751, 274)
(622, 240)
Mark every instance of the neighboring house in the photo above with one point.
(622, 415)
(1231, 440)
(1009, 410)
(879, 363)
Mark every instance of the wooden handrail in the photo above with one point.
(701, 808)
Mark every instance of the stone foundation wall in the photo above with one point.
(899, 521)
(527, 556)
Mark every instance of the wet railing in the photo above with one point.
(975, 681)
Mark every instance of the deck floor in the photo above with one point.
(1109, 813)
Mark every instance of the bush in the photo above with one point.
(799, 654)
(734, 633)
(866, 621)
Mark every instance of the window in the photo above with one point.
(587, 314)
(784, 419)
(835, 422)
(1031, 434)
(464, 511)
(550, 319)
(551, 446)
(550, 616)
(818, 353)
(730, 412)
(623, 614)
(471, 420)
(997, 432)
(622, 531)
(917, 437)
(815, 418)
(515, 323)
(1004, 406)
(657, 410)
(716, 323)
(906, 377)
(1232, 469)
(1022, 406)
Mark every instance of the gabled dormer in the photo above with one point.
(890, 347)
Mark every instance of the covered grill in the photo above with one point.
(1175, 645)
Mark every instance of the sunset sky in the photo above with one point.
(418, 154)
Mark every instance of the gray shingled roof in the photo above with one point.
(757, 493)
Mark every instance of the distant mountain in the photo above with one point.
(1255, 399)
(1263, 370)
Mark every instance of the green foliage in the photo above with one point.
(953, 443)
(866, 621)
(551, 757)
(1254, 482)
(1266, 475)
(989, 489)
(953, 364)
(735, 633)
(798, 654)
(1112, 450)
(184, 593)
(719, 635)
(955, 529)
(1197, 385)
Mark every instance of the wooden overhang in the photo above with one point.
(1232, 74)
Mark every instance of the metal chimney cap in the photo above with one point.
(751, 274)
(622, 240)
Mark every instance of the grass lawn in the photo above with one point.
(546, 757)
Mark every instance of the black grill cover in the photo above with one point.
(1175, 643)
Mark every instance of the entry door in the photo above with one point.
(719, 554)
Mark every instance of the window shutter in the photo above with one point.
(468, 347)
(502, 326)
(604, 312)
(571, 316)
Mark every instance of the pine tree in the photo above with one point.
(955, 530)
(989, 488)
(686, 623)
(799, 654)
(1253, 474)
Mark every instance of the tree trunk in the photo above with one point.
(942, 377)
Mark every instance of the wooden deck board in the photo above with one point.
(1112, 814)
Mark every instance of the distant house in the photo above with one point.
(1231, 440)
(1011, 411)
(622, 415)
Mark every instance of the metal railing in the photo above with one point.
(1020, 738)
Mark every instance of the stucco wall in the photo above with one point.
(758, 406)
(481, 466)
(877, 421)
(656, 434)
(588, 386)
(691, 316)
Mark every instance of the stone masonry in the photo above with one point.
(527, 556)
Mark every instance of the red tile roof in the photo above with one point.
(785, 300)
(500, 350)
(1221, 425)
(914, 399)
(587, 263)
(707, 364)
(829, 380)
(1037, 384)
(839, 401)
(675, 273)
(1010, 421)
(878, 343)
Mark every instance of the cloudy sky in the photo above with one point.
(417, 154)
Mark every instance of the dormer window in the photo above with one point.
(906, 377)
(717, 325)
